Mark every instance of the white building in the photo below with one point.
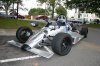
(88, 17)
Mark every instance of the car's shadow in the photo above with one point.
(4, 39)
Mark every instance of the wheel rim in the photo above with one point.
(65, 44)
(25, 34)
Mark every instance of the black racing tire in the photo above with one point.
(84, 31)
(23, 33)
(62, 44)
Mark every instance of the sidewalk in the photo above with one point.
(8, 32)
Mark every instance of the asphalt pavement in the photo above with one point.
(85, 53)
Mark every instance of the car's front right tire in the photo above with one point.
(62, 44)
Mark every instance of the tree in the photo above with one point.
(1, 8)
(51, 3)
(12, 10)
(18, 2)
(42, 1)
(61, 10)
(6, 4)
(90, 6)
(37, 11)
(16, 10)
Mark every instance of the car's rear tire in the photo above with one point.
(62, 44)
(23, 33)
(84, 31)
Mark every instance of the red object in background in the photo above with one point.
(20, 16)
(42, 17)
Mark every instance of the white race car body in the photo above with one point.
(45, 32)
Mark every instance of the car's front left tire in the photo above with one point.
(23, 33)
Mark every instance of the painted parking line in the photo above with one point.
(16, 59)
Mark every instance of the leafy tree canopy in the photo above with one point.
(51, 3)
(90, 6)
(6, 4)
(42, 1)
(38, 11)
(61, 10)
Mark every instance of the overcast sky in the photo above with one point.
(30, 3)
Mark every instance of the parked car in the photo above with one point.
(19, 16)
(42, 17)
(76, 22)
(96, 21)
(7, 16)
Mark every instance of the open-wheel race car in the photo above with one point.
(60, 35)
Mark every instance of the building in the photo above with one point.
(88, 17)
(85, 17)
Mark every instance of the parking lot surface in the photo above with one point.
(85, 53)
